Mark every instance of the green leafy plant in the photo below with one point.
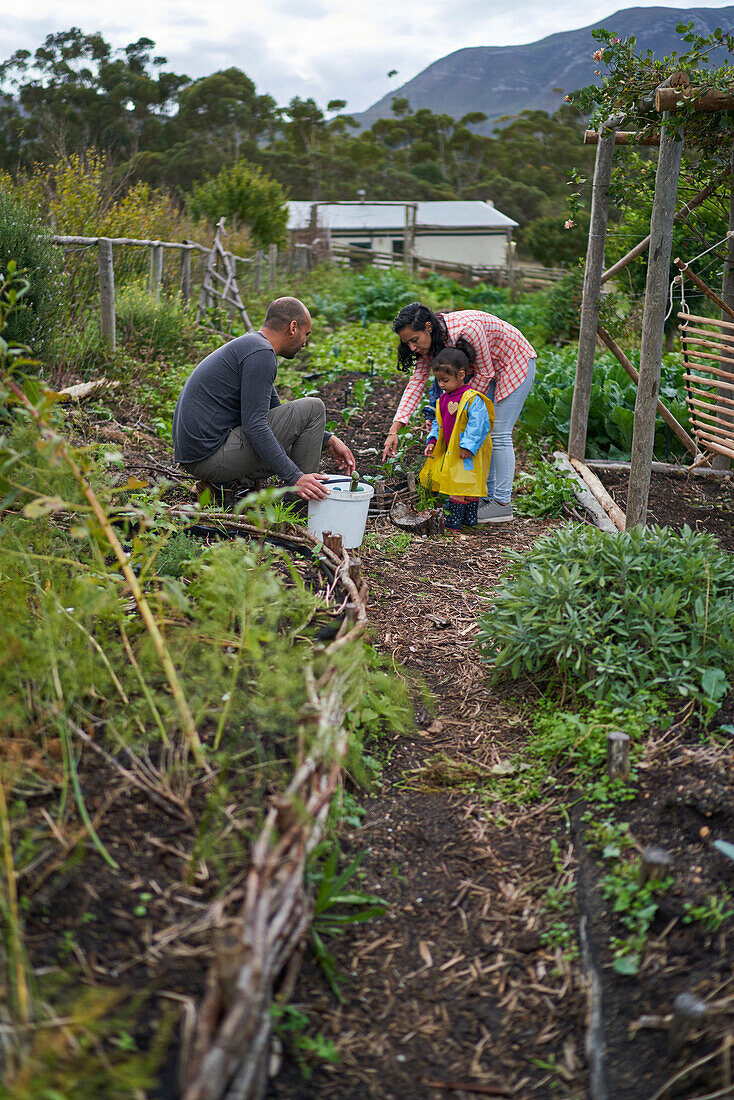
(711, 913)
(618, 617)
(635, 905)
(336, 907)
(543, 491)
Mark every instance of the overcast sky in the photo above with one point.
(328, 49)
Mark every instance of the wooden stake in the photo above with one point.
(591, 295)
(655, 864)
(618, 755)
(653, 321)
(688, 1012)
(186, 274)
(106, 275)
(156, 269)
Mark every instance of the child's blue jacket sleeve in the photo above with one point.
(433, 433)
(477, 427)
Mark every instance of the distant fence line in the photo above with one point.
(254, 273)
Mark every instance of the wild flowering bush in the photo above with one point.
(618, 617)
(25, 240)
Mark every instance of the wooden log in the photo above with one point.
(610, 506)
(618, 755)
(681, 215)
(671, 99)
(653, 322)
(655, 864)
(83, 390)
(106, 277)
(677, 429)
(688, 1012)
(685, 269)
(583, 494)
(669, 468)
(591, 295)
(624, 137)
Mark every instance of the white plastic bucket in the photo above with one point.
(342, 512)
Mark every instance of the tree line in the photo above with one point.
(75, 94)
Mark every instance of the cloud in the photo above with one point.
(327, 49)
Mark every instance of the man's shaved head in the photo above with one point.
(284, 310)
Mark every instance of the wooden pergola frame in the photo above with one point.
(669, 96)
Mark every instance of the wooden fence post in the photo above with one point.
(106, 271)
(258, 269)
(409, 238)
(592, 291)
(722, 462)
(186, 272)
(653, 322)
(273, 266)
(156, 269)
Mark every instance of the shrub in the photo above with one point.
(618, 617)
(25, 239)
(246, 194)
(148, 325)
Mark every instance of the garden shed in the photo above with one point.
(465, 232)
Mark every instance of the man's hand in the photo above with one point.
(429, 448)
(309, 486)
(344, 457)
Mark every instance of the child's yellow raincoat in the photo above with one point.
(446, 471)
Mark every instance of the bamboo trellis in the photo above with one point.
(708, 355)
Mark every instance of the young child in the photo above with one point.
(459, 445)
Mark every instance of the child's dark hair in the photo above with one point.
(453, 360)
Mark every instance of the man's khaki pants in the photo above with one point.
(297, 425)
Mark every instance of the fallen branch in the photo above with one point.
(612, 509)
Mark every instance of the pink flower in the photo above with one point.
(569, 224)
(615, 42)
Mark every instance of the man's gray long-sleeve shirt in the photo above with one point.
(232, 386)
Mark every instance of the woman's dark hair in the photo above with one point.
(416, 316)
(452, 360)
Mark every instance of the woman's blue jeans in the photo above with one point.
(506, 412)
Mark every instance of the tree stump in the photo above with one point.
(688, 1011)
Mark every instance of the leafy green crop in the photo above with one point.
(618, 617)
(547, 409)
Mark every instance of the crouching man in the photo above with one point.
(230, 427)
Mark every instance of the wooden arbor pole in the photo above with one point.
(592, 290)
(653, 322)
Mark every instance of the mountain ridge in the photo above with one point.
(502, 81)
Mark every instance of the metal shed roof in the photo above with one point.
(460, 214)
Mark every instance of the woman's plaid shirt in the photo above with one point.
(502, 353)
